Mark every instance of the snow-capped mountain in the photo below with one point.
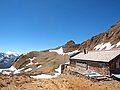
(13, 53)
(7, 59)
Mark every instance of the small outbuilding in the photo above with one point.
(103, 62)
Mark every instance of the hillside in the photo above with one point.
(35, 63)
(109, 39)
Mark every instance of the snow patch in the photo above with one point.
(6, 72)
(59, 51)
(118, 44)
(10, 70)
(98, 46)
(31, 63)
(108, 46)
(70, 53)
(101, 46)
(67, 63)
(39, 66)
(29, 69)
(36, 63)
(57, 73)
(17, 71)
(32, 58)
(42, 76)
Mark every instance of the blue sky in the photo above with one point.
(27, 25)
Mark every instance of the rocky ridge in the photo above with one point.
(110, 37)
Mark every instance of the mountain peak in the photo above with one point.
(13, 53)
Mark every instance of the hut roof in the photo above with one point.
(102, 56)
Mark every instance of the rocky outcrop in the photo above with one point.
(70, 46)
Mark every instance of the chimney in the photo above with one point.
(85, 51)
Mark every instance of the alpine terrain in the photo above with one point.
(20, 72)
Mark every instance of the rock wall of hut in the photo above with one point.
(81, 66)
(114, 65)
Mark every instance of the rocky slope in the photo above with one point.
(40, 62)
(36, 63)
(110, 38)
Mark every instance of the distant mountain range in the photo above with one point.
(7, 59)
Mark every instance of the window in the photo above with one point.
(117, 64)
